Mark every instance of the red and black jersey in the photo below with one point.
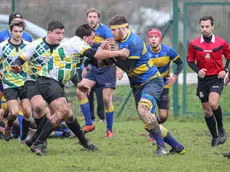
(209, 55)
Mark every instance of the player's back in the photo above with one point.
(65, 59)
(139, 66)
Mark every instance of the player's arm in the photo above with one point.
(27, 53)
(105, 54)
(1, 53)
(226, 52)
(177, 60)
(179, 68)
(191, 59)
(75, 80)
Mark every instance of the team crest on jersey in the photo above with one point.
(207, 56)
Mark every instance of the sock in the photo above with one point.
(211, 123)
(76, 129)
(109, 118)
(86, 111)
(156, 133)
(158, 120)
(39, 128)
(11, 120)
(169, 139)
(46, 131)
(25, 128)
(20, 118)
(38, 120)
(218, 115)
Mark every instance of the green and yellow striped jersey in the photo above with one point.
(37, 53)
(8, 53)
(65, 59)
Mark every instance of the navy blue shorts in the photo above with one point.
(151, 91)
(104, 77)
(163, 102)
(1, 86)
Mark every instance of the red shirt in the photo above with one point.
(209, 55)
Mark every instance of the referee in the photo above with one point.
(205, 58)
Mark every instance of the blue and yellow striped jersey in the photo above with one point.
(102, 32)
(162, 59)
(142, 69)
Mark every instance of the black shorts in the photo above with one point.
(15, 93)
(207, 85)
(163, 102)
(49, 88)
(31, 89)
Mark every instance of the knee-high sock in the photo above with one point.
(38, 120)
(25, 128)
(46, 131)
(156, 133)
(39, 128)
(211, 123)
(75, 128)
(86, 111)
(109, 118)
(218, 115)
(10, 121)
(20, 118)
(169, 139)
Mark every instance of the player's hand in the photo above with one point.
(119, 73)
(172, 80)
(83, 88)
(1, 75)
(124, 53)
(84, 72)
(202, 73)
(105, 45)
(222, 74)
(227, 80)
(16, 69)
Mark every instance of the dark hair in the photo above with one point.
(54, 24)
(207, 18)
(84, 30)
(17, 23)
(14, 15)
(117, 20)
(93, 10)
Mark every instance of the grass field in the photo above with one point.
(129, 150)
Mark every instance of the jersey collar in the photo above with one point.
(155, 51)
(212, 40)
(127, 37)
(96, 26)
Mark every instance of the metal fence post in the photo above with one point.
(175, 46)
(13, 5)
